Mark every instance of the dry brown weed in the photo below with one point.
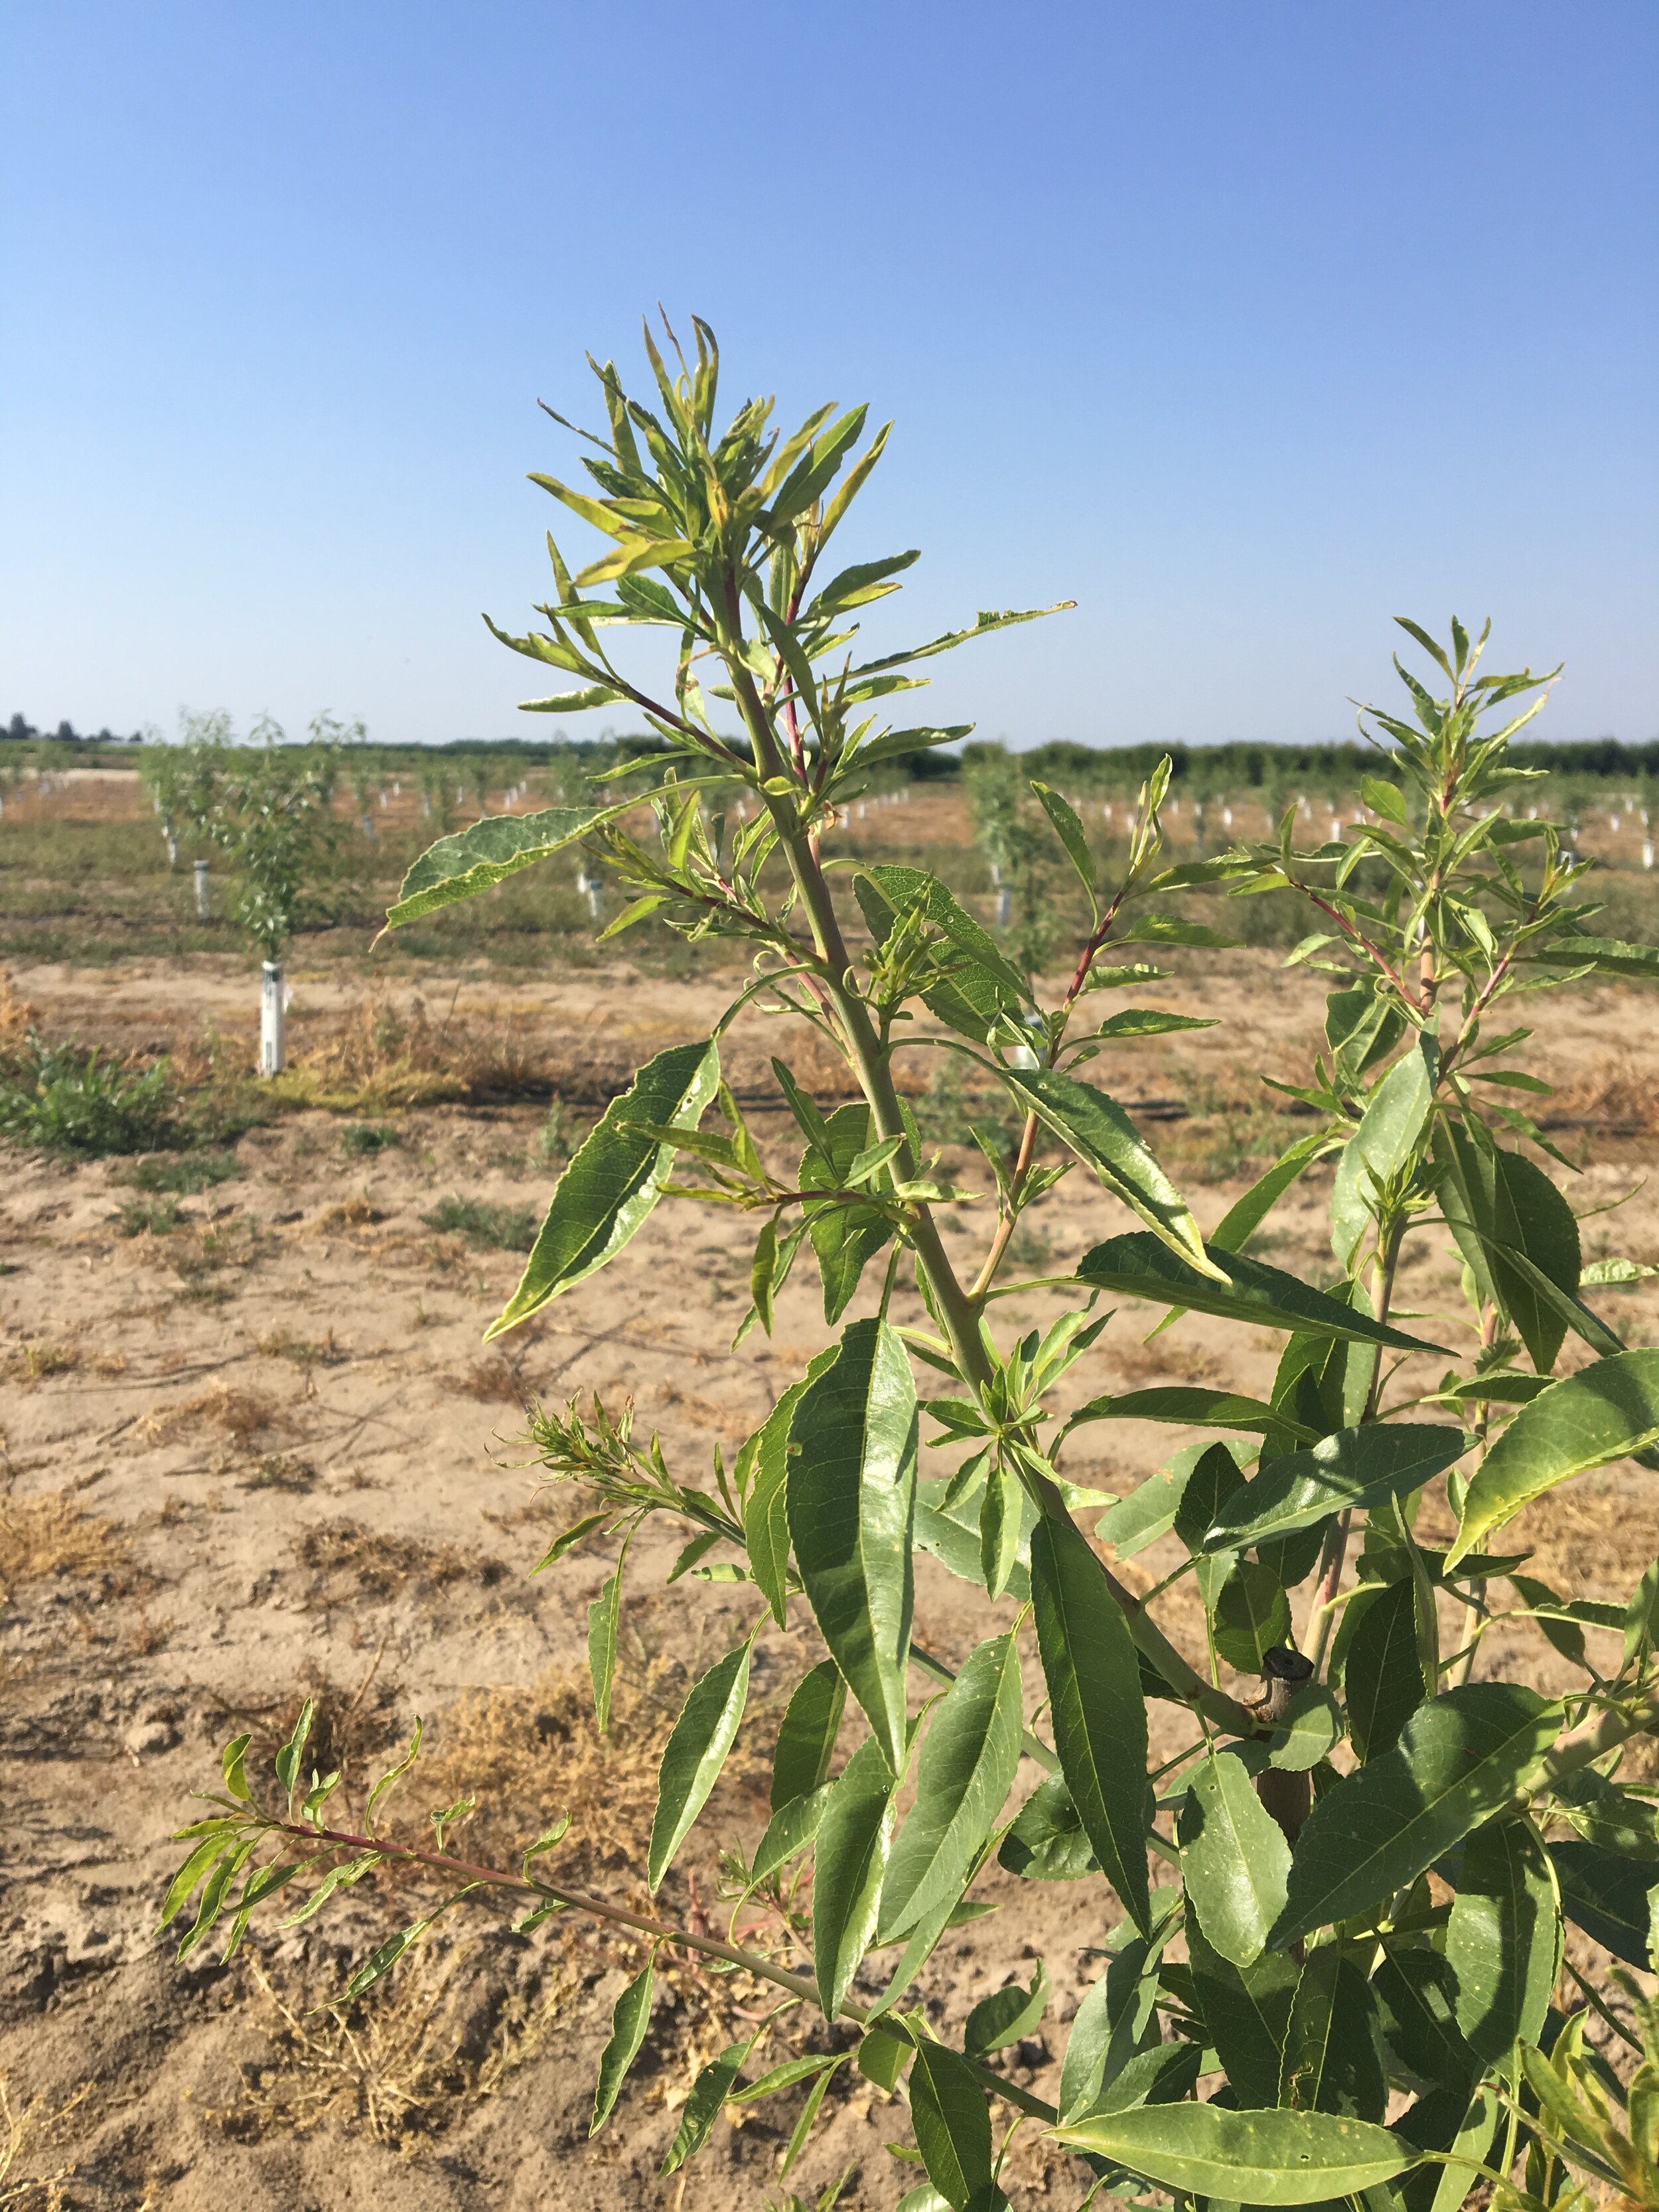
(403, 2065)
(49, 1536)
(30, 1364)
(346, 1560)
(28, 2134)
(241, 1414)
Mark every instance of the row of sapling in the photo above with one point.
(1331, 1925)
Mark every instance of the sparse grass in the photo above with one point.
(147, 1216)
(49, 1537)
(184, 1175)
(287, 1472)
(363, 1139)
(33, 2133)
(495, 1228)
(61, 1099)
(38, 1362)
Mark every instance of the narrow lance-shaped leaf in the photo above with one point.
(1603, 1413)
(1380, 1147)
(952, 2123)
(968, 1759)
(852, 1842)
(614, 1179)
(694, 1755)
(1267, 2157)
(1097, 1128)
(1141, 1267)
(629, 2018)
(1504, 1938)
(851, 1494)
(702, 2107)
(1099, 1715)
(1461, 1758)
(603, 1625)
(1358, 1468)
(1333, 2060)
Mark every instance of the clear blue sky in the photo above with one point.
(1247, 325)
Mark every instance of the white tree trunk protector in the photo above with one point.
(273, 1022)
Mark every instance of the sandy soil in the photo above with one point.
(267, 1454)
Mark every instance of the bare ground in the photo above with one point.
(263, 1454)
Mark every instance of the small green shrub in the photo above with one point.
(363, 1139)
(497, 1228)
(67, 1100)
(147, 1216)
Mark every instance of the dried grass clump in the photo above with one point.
(28, 1364)
(433, 2039)
(529, 1754)
(17, 1017)
(386, 1055)
(241, 1414)
(49, 1537)
(347, 1560)
(29, 2133)
(1612, 1095)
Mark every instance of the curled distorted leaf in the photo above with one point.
(497, 847)
(614, 1179)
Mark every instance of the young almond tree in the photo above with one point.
(274, 818)
(1336, 1915)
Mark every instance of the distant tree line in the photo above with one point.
(21, 729)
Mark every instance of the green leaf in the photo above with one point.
(1001, 1513)
(207, 1853)
(1188, 1407)
(1333, 2060)
(1246, 2011)
(1141, 1267)
(1252, 1616)
(851, 1495)
(1162, 2075)
(1169, 929)
(1382, 1669)
(1143, 1021)
(604, 1624)
(1246, 1215)
(476, 858)
(232, 1764)
(1266, 2157)
(629, 2018)
(1608, 1896)
(1310, 1729)
(1155, 1506)
(1235, 1861)
(1046, 1841)
(791, 1828)
(1098, 1713)
(1460, 1759)
(792, 2071)
(702, 2107)
(1360, 1467)
(614, 1179)
(990, 984)
(1005, 2016)
(809, 2113)
(806, 1740)
(951, 1534)
(1604, 956)
(1605, 1412)
(1504, 1939)
(576, 1535)
(852, 1859)
(763, 1474)
(968, 1759)
(380, 1962)
(845, 1238)
(952, 2123)
(1495, 1203)
(1097, 1128)
(1071, 833)
(1416, 1989)
(693, 1754)
(1379, 1148)
(288, 1758)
